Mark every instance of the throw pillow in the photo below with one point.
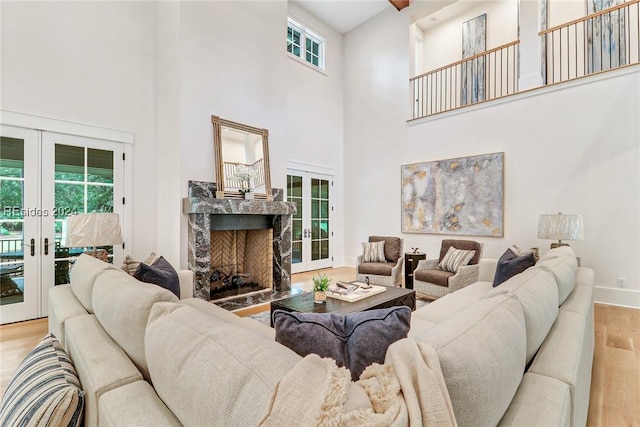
(354, 340)
(373, 251)
(519, 252)
(511, 264)
(45, 390)
(159, 273)
(455, 258)
(130, 265)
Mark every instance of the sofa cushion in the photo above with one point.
(537, 292)
(63, 304)
(354, 340)
(122, 305)
(130, 265)
(392, 247)
(45, 389)
(511, 264)
(377, 268)
(102, 365)
(467, 245)
(373, 251)
(567, 355)
(455, 258)
(562, 263)
(159, 273)
(438, 277)
(190, 353)
(482, 368)
(134, 404)
(552, 403)
(83, 276)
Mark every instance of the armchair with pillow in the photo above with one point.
(456, 268)
(381, 261)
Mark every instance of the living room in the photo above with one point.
(159, 70)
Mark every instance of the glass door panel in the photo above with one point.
(311, 237)
(19, 213)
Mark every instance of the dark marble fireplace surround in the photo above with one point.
(202, 208)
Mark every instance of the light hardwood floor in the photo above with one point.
(615, 385)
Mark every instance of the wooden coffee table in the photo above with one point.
(303, 303)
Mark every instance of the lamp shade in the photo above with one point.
(560, 227)
(93, 229)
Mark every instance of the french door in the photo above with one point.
(45, 177)
(312, 232)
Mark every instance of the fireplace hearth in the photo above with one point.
(237, 246)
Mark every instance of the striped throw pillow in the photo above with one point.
(455, 258)
(44, 391)
(373, 251)
(130, 265)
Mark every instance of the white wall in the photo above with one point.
(442, 43)
(574, 149)
(92, 63)
(315, 116)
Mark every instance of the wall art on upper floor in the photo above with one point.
(606, 36)
(463, 196)
(474, 42)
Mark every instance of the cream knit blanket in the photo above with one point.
(408, 390)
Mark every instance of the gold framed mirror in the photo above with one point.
(242, 160)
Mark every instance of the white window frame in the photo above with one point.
(306, 33)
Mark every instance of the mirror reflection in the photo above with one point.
(242, 160)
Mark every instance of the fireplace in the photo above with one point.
(237, 246)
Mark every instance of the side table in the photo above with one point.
(410, 263)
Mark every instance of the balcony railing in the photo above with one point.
(489, 75)
(599, 42)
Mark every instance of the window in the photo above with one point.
(305, 44)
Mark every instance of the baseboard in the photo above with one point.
(349, 261)
(616, 296)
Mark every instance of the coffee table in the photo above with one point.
(303, 303)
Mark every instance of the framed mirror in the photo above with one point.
(242, 160)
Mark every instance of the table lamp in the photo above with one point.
(560, 227)
(93, 230)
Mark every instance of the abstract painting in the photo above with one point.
(606, 36)
(474, 41)
(454, 196)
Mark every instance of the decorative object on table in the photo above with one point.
(241, 160)
(354, 340)
(456, 267)
(353, 291)
(93, 230)
(45, 390)
(454, 196)
(415, 250)
(411, 260)
(385, 261)
(560, 227)
(474, 41)
(320, 287)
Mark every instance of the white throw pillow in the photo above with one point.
(373, 251)
(455, 258)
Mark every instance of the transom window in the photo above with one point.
(305, 44)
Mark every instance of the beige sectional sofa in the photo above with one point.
(518, 354)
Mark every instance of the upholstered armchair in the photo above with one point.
(431, 282)
(387, 270)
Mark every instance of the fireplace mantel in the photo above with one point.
(212, 206)
(201, 207)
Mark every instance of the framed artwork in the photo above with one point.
(463, 196)
(606, 36)
(474, 41)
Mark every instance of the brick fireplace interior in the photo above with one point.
(241, 262)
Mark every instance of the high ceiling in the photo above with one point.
(344, 15)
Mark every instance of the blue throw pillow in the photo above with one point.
(511, 264)
(159, 273)
(354, 340)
